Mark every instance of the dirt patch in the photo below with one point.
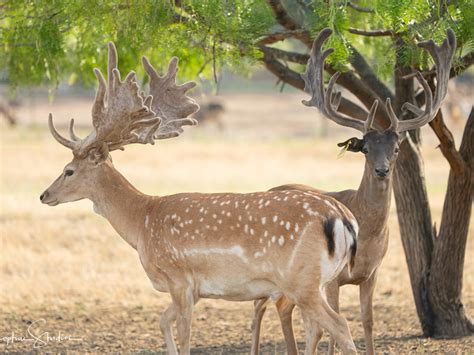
(217, 329)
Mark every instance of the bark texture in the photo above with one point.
(445, 280)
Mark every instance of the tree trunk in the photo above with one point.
(413, 208)
(414, 218)
(445, 281)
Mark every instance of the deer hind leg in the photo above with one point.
(332, 295)
(167, 318)
(366, 293)
(183, 301)
(260, 306)
(336, 326)
(285, 312)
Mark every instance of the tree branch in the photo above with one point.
(281, 36)
(347, 79)
(285, 55)
(287, 22)
(360, 8)
(294, 79)
(447, 144)
(467, 142)
(375, 33)
(362, 68)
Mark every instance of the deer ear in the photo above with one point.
(352, 144)
(99, 154)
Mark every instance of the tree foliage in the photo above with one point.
(49, 41)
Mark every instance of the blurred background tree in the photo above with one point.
(49, 42)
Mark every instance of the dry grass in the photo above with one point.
(67, 265)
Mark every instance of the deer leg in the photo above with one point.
(366, 293)
(285, 312)
(184, 301)
(332, 295)
(311, 331)
(260, 306)
(167, 318)
(337, 327)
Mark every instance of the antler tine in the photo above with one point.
(112, 64)
(370, 118)
(64, 141)
(170, 101)
(443, 57)
(71, 131)
(325, 100)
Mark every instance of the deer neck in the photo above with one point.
(121, 204)
(371, 203)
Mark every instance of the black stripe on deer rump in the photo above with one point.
(329, 233)
(350, 227)
(328, 227)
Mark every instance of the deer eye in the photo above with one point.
(396, 150)
(68, 172)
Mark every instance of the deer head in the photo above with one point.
(379, 146)
(121, 115)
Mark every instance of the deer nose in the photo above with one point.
(43, 195)
(382, 172)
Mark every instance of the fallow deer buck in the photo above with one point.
(237, 247)
(370, 204)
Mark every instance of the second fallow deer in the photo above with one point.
(237, 247)
(370, 203)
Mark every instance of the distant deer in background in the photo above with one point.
(210, 112)
(371, 202)
(7, 111)
(238, 247)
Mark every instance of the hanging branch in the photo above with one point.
(360, 8)
(281, 36)
(285, 55)
(374, 33)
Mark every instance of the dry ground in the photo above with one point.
(66, 268)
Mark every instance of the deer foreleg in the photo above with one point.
(184, 301)
(260, 306)
(167, 318)
(366, 293)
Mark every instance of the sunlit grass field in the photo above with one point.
(70, 261)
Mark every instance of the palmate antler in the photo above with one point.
(122, 114)
(327, 101)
